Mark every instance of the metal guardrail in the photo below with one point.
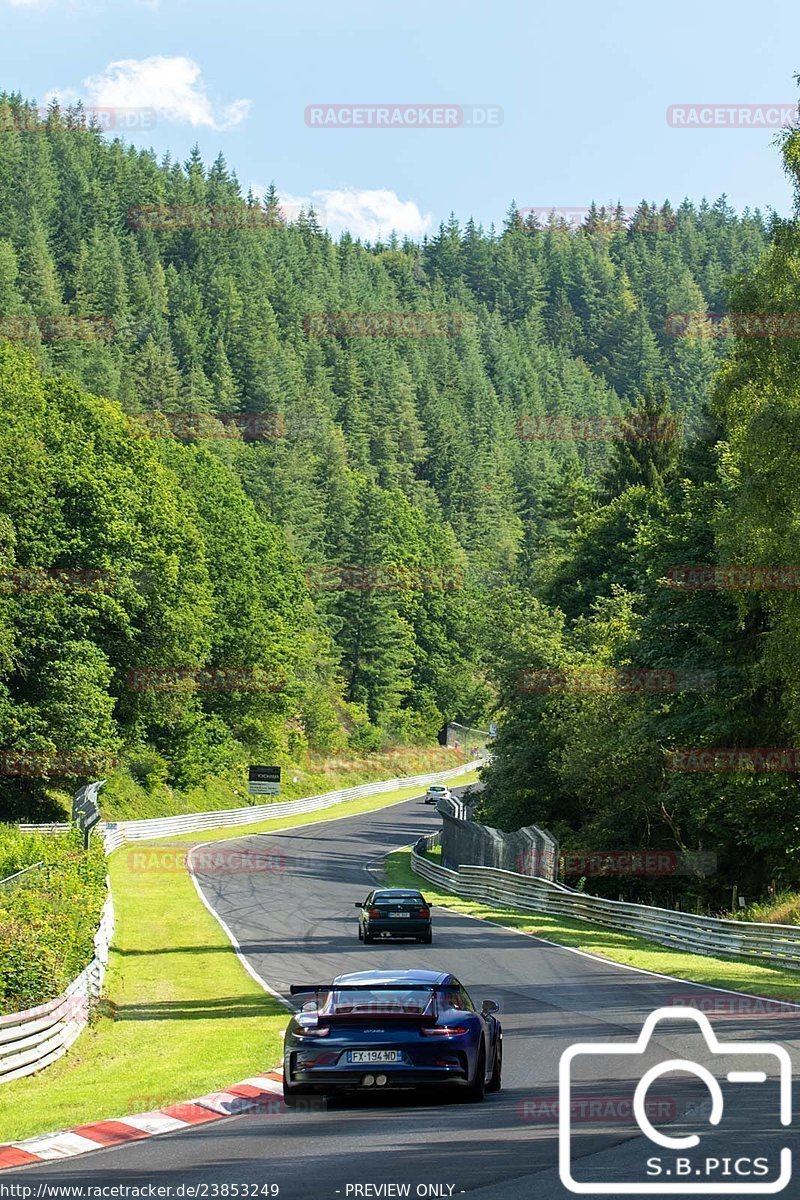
(32, 1040)
(713, 936)
(117, 833)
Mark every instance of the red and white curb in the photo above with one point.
(260, 1093)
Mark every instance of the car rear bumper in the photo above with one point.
(399, 928)
(352, 1078)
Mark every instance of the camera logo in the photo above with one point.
(733, 1155)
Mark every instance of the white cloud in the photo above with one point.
(172, 88)
(370, 214)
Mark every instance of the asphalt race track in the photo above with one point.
(295, 922)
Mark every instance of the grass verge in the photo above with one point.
(125, 799)
(186, 1017)
(348, 809)
(735, 973)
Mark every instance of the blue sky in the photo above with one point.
(583, 87)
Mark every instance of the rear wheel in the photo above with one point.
(495, 1082)
(428, 938)
(477, 1089)
(360, 933)
(367, 936)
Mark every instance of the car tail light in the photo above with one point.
(424, 912)
(315, 1031)
(374, 912)
(444, 1031)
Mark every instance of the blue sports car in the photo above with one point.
(375, 1030)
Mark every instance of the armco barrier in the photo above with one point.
(117, 833)
(684, 931)
(32, 1040)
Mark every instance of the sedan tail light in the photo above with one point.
(424, 912)
(373, 912)
(444, 1031)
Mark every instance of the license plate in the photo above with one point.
(399, 914)
(374, 1056)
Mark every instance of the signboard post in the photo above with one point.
(264, 781)
(86, 809)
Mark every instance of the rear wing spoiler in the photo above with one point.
(426, 1015)
(298, 989)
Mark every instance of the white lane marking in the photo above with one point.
(237, 949)
(251, 971)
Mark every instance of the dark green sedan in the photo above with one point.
(394, 913)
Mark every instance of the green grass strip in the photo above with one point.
(735, 973)
(187, 1018)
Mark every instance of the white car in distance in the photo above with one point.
(437, 791)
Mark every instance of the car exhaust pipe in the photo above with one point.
(381, 1080)
(368, 1080)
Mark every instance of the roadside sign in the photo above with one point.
(86, 809)
(492, 729)
(264, 781)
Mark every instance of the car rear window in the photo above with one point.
(388, 1001)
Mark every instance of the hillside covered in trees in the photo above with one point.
(469, 458)
(660, 656)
